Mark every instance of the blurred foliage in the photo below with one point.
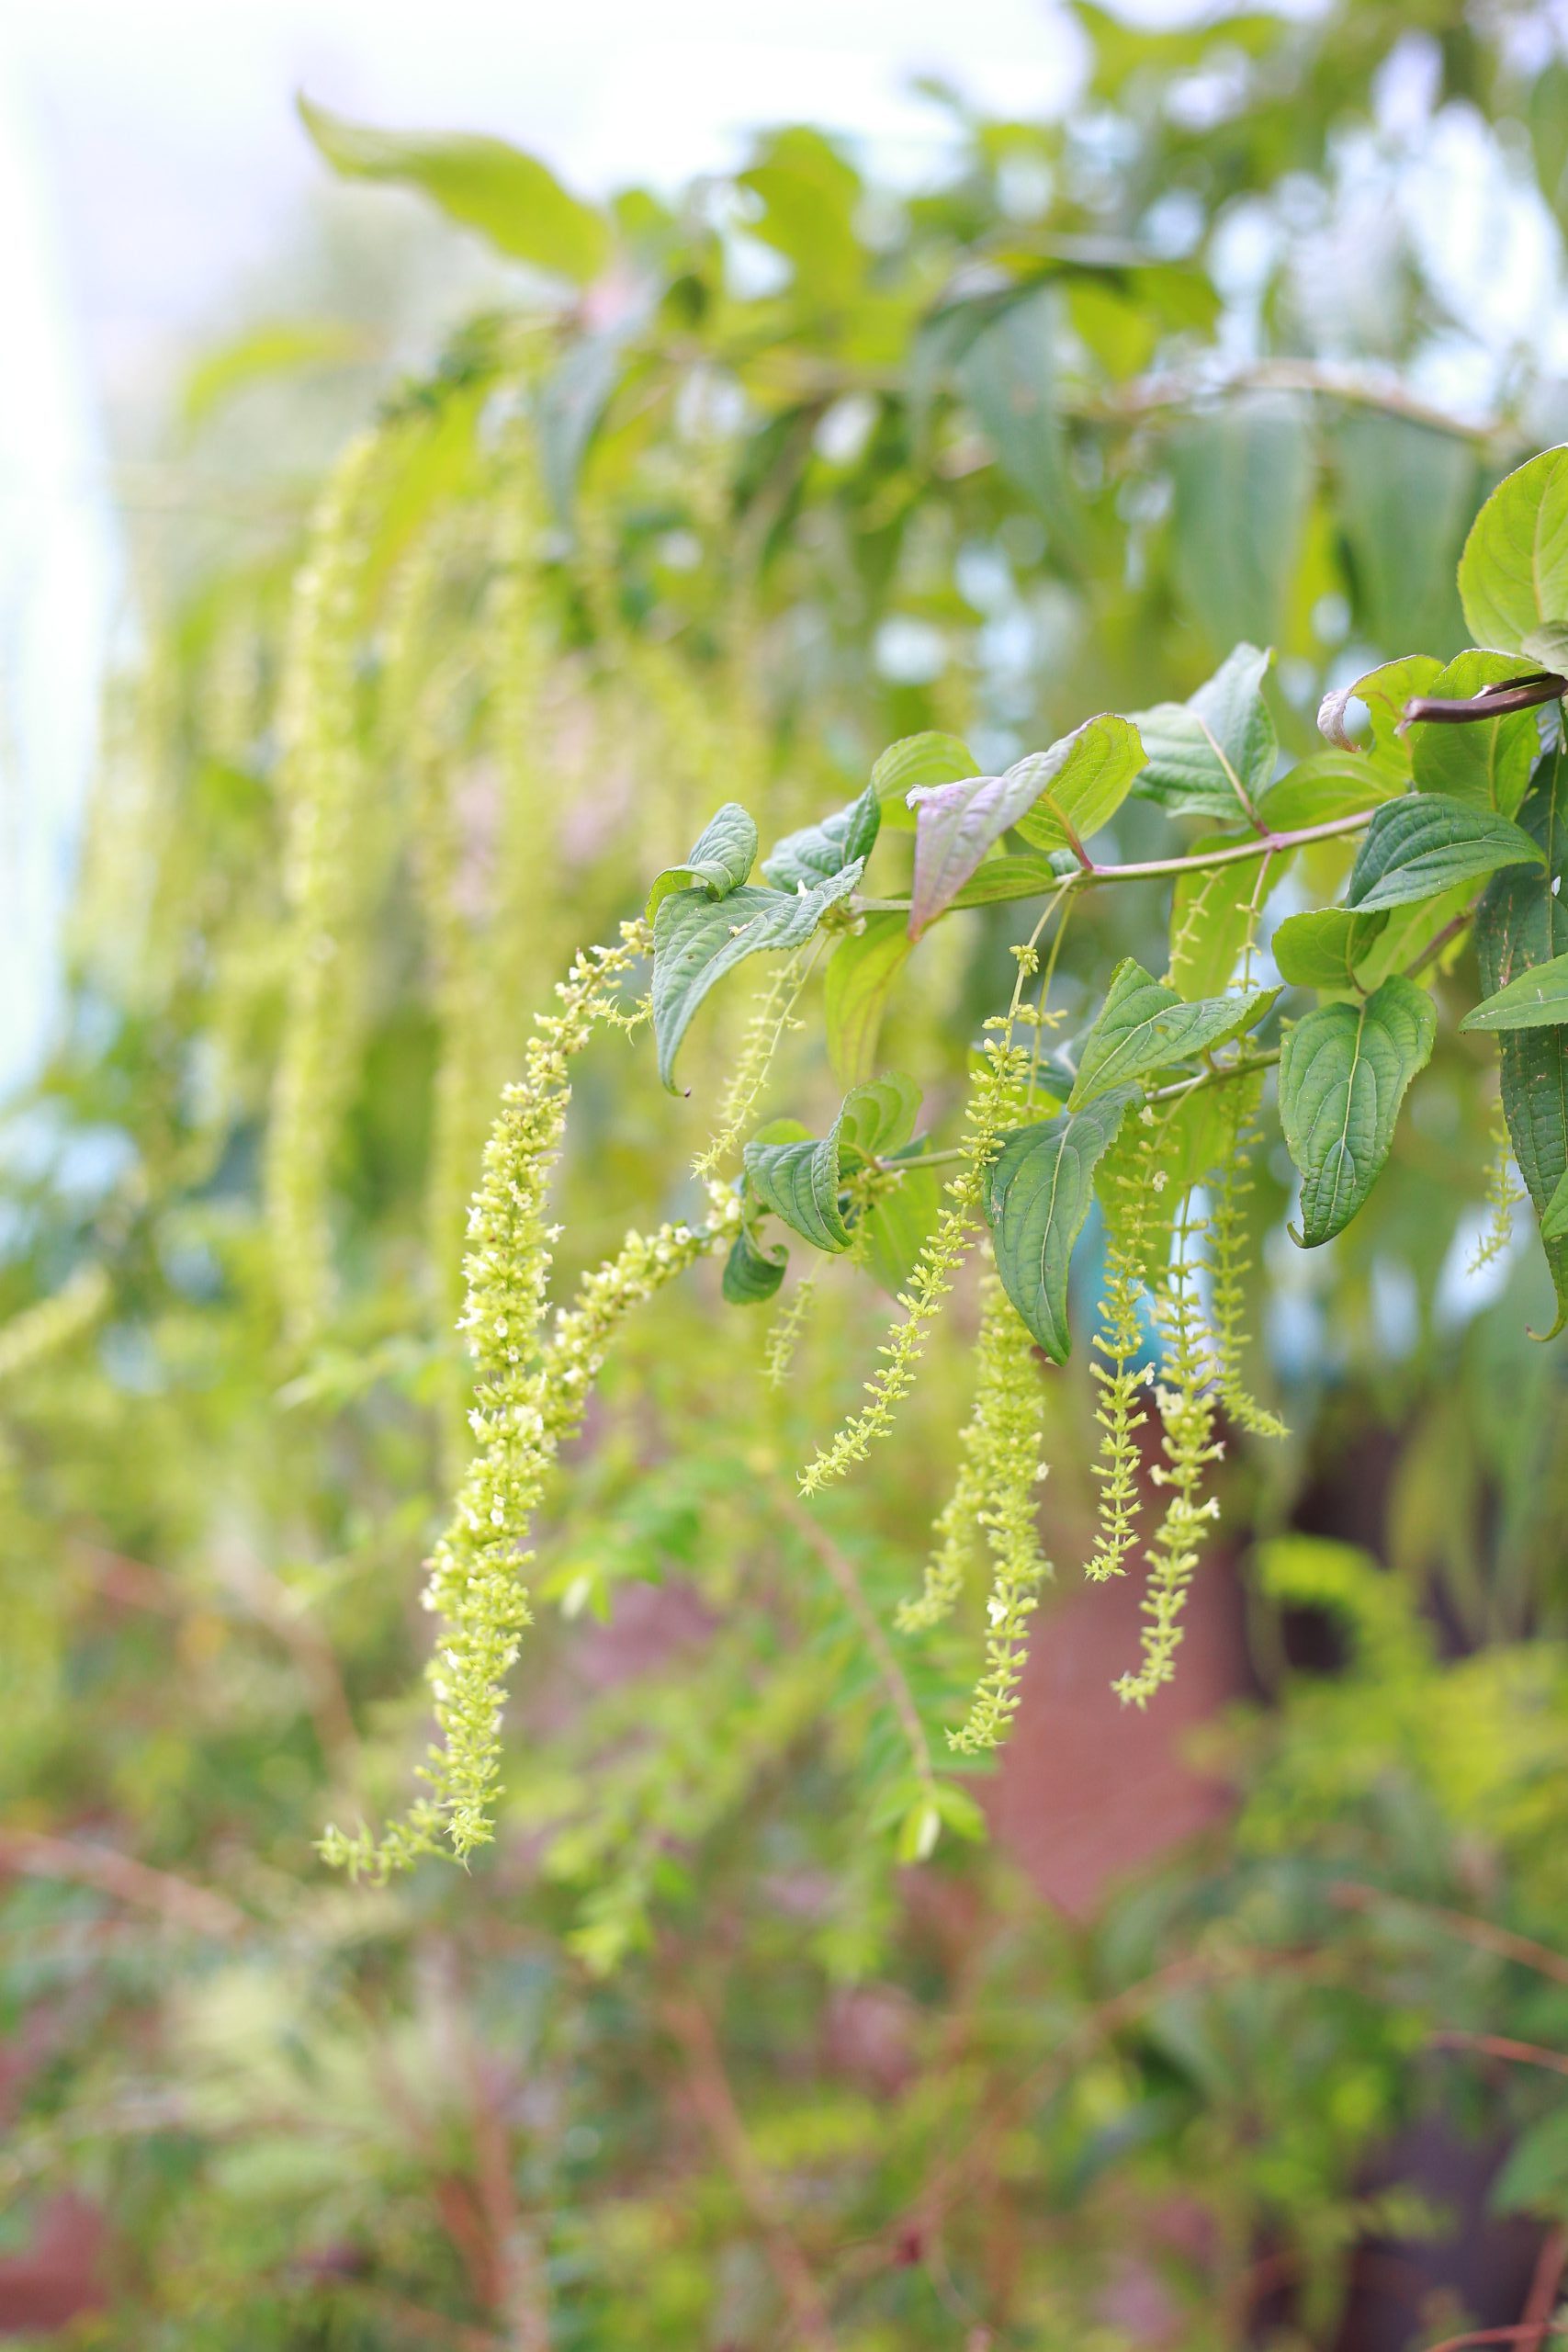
(706, 2050)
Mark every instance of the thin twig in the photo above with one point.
(37, 1855)
(1434, 947)
(1504, 1942)
(715, 2102)
(1528, 2333)
(1546, 2287)
(1215, 1077)
(1203, 862)
(1500, 2045)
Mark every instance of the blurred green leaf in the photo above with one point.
(484, 183)
(1344, 1072)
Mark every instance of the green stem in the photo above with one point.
(1150, 869)
(1215, 1077)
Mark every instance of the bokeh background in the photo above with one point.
(965, 370)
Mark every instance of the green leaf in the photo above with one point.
(485, 184)
(956, 824)
(899, 1223)
(1406, 492)
(1217, 752)
(999, 880)
(878, 1117)
(1554, 1216)
(1327, 785)
(569, 408)
(721, 857)
(1535, 2173)
(1548, 645)
(1535, 1000)
(1055, 798)
(861, 974)
(751, 1272)
(1037, 1195)
(1211, 913)
(1243, 481)
(810, 194)
(1521, 926)
(275, 347)
(696, 940)
(1486, 763)
(1343, 1075)
(1144, 1025)
(1422, 842)
(914, 761)
(1083, 780)
(800, 1180)
(1008, 378)
(1322, 948)
(1513, 575)
(1410, 931)
(819, 852)
(1384, 693)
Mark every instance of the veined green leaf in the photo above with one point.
(1083, 780)
(720, 859)
(1385, 692)
(1521, 926)
(751, 1272)
(878, 1117)
(1548, 645)
(956, 824)
(696, 940)
(819, 852)
(1328, 784)
(1215, 753)
(1037, 1195)
(1343, 1075)
(1424, 843)
(1487, 764)
(1055, 798)
(485, 184)
(1513, 575)
(1322, 948)
(1143, 1026)
(861, 974)
(913, 762)
(1537, 999)
(1554, 1216)
(997, 880)
(800, 1180)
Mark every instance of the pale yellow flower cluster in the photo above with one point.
(993, 1101)
(323, 781)
(530, 1397)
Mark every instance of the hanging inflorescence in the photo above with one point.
(530, 1395)
(328, 813)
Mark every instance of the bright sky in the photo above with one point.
(175, 155)
(150, 161)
